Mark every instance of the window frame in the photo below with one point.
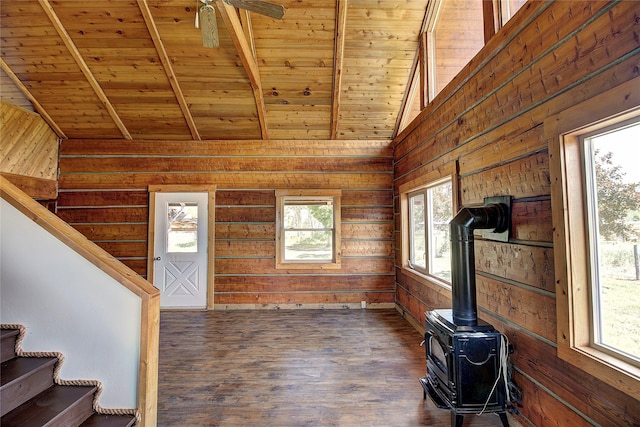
(406, 190)
(571, 241)
(588, 158)
(495, 14)
(505, 11)
(411, 222)
(432, 19)
(282, 196)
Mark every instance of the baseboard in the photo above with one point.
(417, 325)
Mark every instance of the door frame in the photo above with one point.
(211, 199)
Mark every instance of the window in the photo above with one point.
(451, 45)
(612, 183)
(308, 228)
(430, 209)
(595, 202)
(182, 235)
(508, 8)
(445, 47)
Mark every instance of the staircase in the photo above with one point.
(29, 397)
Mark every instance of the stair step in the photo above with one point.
(23, 378)
(58, 406)
(8, 344)
(100, 420)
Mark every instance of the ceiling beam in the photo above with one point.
(36, 105)
(423, 70)
(168, 69)
(338, 58)
(229, 15)
(73, 50)
(245, 21)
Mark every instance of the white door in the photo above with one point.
(180, 249)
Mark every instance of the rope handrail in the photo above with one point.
(56, 373)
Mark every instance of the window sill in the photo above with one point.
(607, 368)
(307, 266)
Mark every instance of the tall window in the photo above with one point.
(455, 34)
(308, 229)
(446, 46)
(508, 8)
(612, 181)
(430, 210)
(595, 195)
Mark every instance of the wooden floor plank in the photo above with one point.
(294, 368)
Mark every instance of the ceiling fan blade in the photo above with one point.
(266, 8)
(209, 26)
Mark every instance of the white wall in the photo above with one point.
(69, 305)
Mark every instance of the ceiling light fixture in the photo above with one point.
(206, 21)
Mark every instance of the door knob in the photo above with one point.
(157, 258)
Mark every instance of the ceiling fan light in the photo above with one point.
(209, 26)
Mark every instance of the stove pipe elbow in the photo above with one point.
(463, 275)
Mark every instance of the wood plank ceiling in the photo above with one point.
(136, 69)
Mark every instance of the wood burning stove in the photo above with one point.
(466, 357)
(464, 367)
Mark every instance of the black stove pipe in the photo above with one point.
(463, 274)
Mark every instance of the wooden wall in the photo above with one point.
(28, 151)
(489, 124)
(103, 193)
(11, 93)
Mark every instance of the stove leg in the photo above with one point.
(456, 419)
(503, 418)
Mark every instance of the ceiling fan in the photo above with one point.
(206, 16)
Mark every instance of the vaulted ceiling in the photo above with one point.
(136, 69)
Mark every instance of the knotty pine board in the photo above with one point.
(531, 221)
(494, 108)
(488, 123)
(247, 179)
(243, 148)
(349, 266)
(527, 177)
(245, 283)
(125, 249)
(246, 174)
(139, 198)
(28, 145)
(509, 55)
(431, 297)
(602, 403)
(102, 231)
(304, 298)
(199, 164)
(429, 156)
(532, 310)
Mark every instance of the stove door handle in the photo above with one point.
(432, 335)
(427, 341)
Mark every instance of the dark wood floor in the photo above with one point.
(294, 368)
